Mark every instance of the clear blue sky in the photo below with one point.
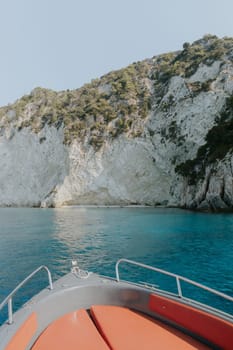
(62, 44)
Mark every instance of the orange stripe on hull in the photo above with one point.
(209, 327)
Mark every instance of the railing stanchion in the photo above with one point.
(10, 311)
(50, 279)
(117, 271)
(178, 287)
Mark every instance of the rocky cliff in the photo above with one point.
(159, 132)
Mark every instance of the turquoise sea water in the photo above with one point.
(195, 245)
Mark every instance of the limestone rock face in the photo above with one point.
(123, 172)
(214, 192)
(32, 165)
(157, 133)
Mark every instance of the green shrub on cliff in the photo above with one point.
(117, 100)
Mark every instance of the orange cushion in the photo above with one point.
(24, 334)
(124, 329)
(72, 331)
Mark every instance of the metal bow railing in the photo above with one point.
(9, 298)
(177, 277)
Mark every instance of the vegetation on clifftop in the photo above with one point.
(106, 107)
(118, 102)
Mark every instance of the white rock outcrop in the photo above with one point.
(123, 172)
(32, 165)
